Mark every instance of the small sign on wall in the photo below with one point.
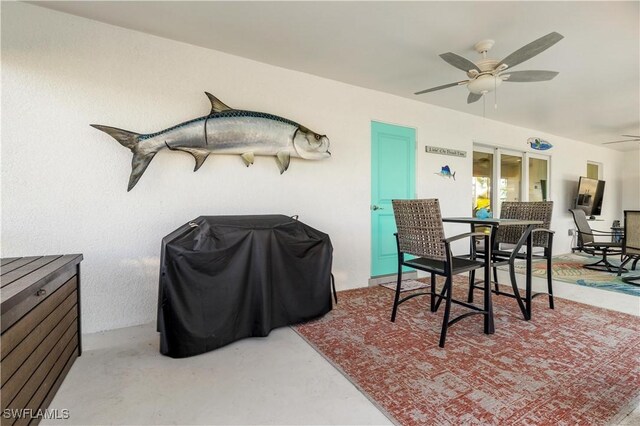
(445, 151)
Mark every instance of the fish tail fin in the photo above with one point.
(124, 137)
(139, 164)
(454, 175)
(130, 140)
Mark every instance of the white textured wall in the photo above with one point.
(64, 183)
(631, 181)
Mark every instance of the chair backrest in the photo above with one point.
(585, 234)
(631, 240)
(420, 230)
(532, 210)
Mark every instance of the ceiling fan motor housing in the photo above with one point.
(484, 84)
(486, 65)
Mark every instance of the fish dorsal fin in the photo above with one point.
(248, 158)
(216, 104)
(283, 158)
(200, 155)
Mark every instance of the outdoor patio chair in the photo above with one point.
(588, 244)
(421, 234)
(542, 238)
(631, 244)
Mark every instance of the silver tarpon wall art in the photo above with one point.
(224, 131)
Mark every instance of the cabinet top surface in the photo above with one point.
(19, 273)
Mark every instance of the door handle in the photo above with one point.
(374, 207)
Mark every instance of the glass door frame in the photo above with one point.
(497, 152)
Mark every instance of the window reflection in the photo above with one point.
(537, 179)
(482, 180)
(510, 177)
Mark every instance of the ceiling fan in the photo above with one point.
(487, 74)
(635, 139)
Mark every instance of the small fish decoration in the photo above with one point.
(224, 131)
(445, 171)
(539, 144)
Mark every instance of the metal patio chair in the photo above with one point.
(588, 244)
(631, 244)
(421, 234)
(542, 238)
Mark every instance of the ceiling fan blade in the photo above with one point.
(473, 98)
(459, 62)
(531, 49)
(529, 76)
(626, 140)
(444, 86)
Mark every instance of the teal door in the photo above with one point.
(393, 150)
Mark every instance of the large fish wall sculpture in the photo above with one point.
(224, 131)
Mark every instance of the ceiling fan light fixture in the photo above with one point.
(484, 84)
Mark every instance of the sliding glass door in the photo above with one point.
(510, 185)
(538, 178)
(482, 180)
(523, 176)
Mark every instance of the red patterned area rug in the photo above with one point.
(574, 365)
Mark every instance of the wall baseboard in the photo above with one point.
(383, 279)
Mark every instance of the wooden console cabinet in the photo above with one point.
(40, 322)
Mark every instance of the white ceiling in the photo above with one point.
(394, 46)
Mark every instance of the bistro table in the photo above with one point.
(526, 238)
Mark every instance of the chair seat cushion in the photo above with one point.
(459, 266)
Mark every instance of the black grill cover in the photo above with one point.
(224, 278)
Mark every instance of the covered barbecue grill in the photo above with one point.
(224, 278)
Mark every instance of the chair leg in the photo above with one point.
(604, 265)
(550, 281)
(397, 297)
(472, 283)
(447, 311)
(632, 280)
(495, 278)
(635, 262)
(433, 292)
(621, 267)
(489, 327)
(441, 297)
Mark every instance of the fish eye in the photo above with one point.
(317, 137)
